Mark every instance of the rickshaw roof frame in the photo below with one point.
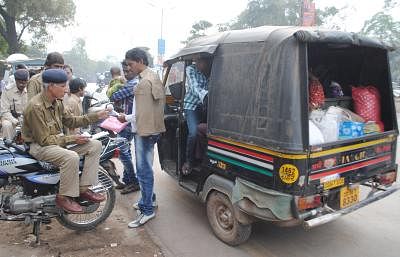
(209, 44)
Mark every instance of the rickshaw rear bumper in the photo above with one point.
(325, 218)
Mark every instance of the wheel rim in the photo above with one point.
(94, 210)
(224, 217)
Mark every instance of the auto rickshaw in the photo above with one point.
(259, 163)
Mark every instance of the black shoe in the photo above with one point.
(130, 188)
(120, 186)
(186, 169)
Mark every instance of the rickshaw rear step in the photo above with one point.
(308, 224)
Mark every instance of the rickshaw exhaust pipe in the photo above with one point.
(309, 224)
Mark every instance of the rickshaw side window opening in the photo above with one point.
(175, 78)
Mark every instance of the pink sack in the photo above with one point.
(113, 124)
(367, 103)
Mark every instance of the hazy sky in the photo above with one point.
(112, 27)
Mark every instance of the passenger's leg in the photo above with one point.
(201, 141)
(192, 120)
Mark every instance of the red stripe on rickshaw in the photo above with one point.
(351, 167)
(242, 151)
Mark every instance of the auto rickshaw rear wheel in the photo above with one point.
(223, 222)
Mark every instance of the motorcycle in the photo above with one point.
(28, 188)
(101, 83)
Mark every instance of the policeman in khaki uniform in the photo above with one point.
(54, 60)
(13, 102)
(43, 126)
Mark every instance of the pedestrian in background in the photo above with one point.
(54, 60)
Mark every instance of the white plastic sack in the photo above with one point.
(315, 134)
(328, 123)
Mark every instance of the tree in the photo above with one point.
(385, 28)
(198, 30)
(20, 16)
(82, 65)
(276, 13)
(78, 58)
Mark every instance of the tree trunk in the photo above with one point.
(11, 35)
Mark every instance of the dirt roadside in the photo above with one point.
(112, 238)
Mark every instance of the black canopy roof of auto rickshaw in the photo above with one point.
(258, 85)
(208, 44)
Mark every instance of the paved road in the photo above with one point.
(181, 229)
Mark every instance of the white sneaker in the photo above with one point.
(136, 205)
(140, 220)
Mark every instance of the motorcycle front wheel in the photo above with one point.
(95, 213)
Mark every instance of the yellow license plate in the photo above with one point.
(349, 196)
(333, 183)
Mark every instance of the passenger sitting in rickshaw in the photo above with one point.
(197, 76)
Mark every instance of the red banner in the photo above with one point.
(308, 15)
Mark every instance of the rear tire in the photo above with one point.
(95, 213)
(226, 227)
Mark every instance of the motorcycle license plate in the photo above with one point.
(349, 196)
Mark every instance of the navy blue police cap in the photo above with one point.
(21, 74)
(54, 76)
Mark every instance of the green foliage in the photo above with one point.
(268, 12)
(82, 66)
(198, 30)
(325, 14)
(385, 28)
(20, 16)
(3, 48)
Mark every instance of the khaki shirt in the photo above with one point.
(73, 104)
(12, 98)
(150, 101)
(35, 85)
(44, 122)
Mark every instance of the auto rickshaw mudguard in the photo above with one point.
(250, 200)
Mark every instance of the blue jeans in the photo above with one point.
(192, 119)
(129, 175)
(144, 152)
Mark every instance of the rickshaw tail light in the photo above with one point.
(387, 178)
(116, 153)
(308, 202)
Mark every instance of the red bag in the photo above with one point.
(316, 94)
(367, 103)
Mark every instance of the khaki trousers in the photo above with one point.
(68, 162)
(8, 129)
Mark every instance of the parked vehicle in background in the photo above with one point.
(8, 66)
